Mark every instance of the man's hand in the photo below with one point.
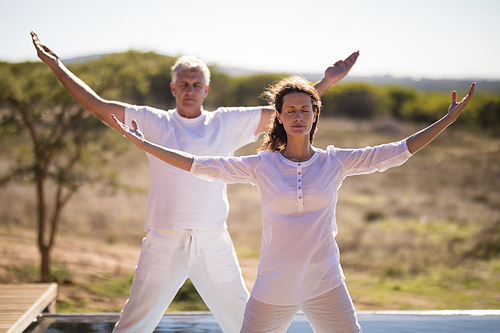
(339, 70)
(335, 73)
(44, 53)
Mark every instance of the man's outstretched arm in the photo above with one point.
(80, 91)
(335, 73)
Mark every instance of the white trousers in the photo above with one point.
(331, 312)
(168, 258)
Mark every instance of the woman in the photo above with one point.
(299, 264)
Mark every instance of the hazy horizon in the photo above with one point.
(440, 39)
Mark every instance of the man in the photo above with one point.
(184, 240)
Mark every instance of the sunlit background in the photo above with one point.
(436, 39)
(423, 236)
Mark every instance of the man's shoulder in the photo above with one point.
(234, 112)
(229, 109)
(147, 108)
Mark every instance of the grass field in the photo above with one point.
(423, 236)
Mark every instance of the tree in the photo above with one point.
(59, 145)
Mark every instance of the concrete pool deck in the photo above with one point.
(483, 321)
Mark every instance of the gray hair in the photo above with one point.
(190, 63)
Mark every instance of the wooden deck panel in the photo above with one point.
(20, 304)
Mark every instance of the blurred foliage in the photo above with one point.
(355, 100)
(187, 299)
(144, 79)
(132, 77)
(113, 287)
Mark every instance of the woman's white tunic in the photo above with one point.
(299, 257)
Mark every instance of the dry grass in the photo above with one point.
(421, 236)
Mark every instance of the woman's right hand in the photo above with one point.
(135, 134)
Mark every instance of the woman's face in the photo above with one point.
(297, 115)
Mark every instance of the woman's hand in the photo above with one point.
(455, 108)
(420, 139)
(176, 158)
(135, 135)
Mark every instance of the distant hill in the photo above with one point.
(78, 60)
(442, 85)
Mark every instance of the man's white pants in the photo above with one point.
(171, 256)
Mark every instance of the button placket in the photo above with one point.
(300, 196)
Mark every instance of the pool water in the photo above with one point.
(194, 322)
(484, 321)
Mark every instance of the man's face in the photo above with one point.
(189, 91)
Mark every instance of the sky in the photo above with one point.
(439, 39)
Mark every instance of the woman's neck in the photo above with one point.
(298, 150)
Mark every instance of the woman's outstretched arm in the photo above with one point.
(173, 157)
(420, 139)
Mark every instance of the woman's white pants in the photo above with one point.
(168, 258)
(331, 312)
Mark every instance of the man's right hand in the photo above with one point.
(44, 53)
(83, 94)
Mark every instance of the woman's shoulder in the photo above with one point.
(261, 156)
(268, 155)
(266, 152)
(330, 150)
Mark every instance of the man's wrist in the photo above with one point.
(330, 81)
